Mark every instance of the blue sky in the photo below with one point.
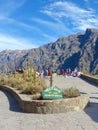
(26, 24)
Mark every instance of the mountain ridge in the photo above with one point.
(75, 50)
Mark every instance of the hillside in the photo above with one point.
(79, 50)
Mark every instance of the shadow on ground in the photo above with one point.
(13, 103)
(92, 111)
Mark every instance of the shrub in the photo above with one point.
(26, 82)
(30, 88)
(70, 92)
(2, 80)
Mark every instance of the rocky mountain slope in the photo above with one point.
(79, 50)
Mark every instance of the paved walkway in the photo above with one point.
(12, 118)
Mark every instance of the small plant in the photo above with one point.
(3, 80)
(70, 92)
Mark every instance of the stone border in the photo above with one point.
(89, 78)
(47, 106)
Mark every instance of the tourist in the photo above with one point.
(75, 73)
(41, 73)
(63, 72)
(58, 72)
(69, 72)
(49, 72)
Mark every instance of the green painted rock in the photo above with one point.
(52, 93)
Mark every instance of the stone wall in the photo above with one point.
(89, 78)
(48, 106)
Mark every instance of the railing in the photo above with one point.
(89, 78)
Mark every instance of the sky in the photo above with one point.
(27, 24)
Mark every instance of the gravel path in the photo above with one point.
(12, 118)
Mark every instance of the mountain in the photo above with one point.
(9, 59)
(79, 50)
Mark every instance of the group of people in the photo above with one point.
(66, 73)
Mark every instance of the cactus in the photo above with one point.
(34, 76)
(51, 79)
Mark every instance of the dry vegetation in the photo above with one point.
(70, 92)
(27, 82)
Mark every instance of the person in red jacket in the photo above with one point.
(49, 72)
(63, 72)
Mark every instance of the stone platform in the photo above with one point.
(47, 106)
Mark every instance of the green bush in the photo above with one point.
(70, 92)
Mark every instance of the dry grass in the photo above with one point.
(85, 72)
(70, 92)
(26, 82)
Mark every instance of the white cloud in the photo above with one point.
(21, 24)
(54, 26)
(12, 43)
(9, 6)
(67, 10)
(86, 0)
(52, 38)
(95, 1)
